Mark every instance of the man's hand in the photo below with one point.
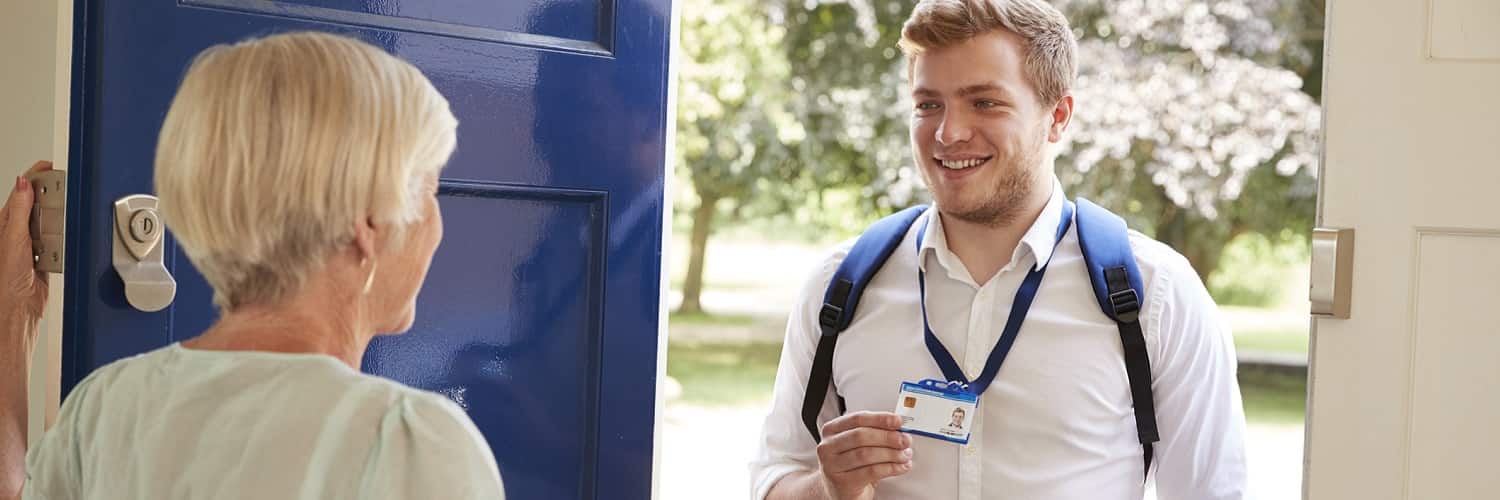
(23, 290)
(859, 450)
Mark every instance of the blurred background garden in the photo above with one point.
(1196, 120)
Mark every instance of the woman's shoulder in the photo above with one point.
(429, 446)
(309, 405)
(256, 379)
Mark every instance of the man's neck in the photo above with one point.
(985, 249)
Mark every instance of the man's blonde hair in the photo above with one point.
(275, 148)
(1050, 48)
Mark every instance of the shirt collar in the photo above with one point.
(1040, 239)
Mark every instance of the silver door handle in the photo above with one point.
(1332, 272)
(138, 254)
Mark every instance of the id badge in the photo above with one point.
(937, 409)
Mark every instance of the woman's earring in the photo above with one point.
(370, 280)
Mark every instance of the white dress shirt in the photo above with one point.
(1058, 422)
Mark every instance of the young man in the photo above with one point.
(990, 88)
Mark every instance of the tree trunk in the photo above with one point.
(1207, 251)
(1205, 261)
(692, 285)
(1200, 241)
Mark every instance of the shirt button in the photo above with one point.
(971, 449)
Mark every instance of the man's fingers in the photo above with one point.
(864, 436)
(875, 472)
(876, 419)
(859, 458)
(861, 448)
(39, 166)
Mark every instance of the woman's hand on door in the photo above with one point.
(23, 289)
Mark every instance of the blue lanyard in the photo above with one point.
(1018, 311)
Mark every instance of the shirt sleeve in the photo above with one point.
(1199, 414)
(54, 468)
(428, 448)
(785, 445)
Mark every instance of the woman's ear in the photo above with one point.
(364, 239)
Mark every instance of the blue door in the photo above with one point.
(541, 315)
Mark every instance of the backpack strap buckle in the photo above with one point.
(1122, 297)
(829, 318)
(1127, 305)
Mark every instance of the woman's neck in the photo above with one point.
(308, 322)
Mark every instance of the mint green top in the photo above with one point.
(180, 423)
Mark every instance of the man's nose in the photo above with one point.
(953, 129)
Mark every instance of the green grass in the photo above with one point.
(1290, 341)
(724, 374)
(711, 319)
(725, 285)
(1272, 397)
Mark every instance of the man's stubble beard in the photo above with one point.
(1013, 186)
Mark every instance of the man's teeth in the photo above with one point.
(963, 164)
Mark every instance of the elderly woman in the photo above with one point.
(299, 173)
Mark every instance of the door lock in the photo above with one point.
(138, 254)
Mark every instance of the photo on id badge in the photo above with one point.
(937, 410)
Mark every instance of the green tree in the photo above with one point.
(1195, 120)
(734, 132)
(849, 93)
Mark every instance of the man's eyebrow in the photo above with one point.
(963, 92)
(982, 88)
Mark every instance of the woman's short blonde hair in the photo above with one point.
(1050, 48)
(275, 148)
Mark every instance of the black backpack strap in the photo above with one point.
(840, 300)
(1117, 285)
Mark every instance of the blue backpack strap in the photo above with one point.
(842, 298)
(1117, 285)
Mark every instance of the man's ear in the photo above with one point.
(1062, 115)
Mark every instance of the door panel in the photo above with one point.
(581, 25)
(534, 278)
(1402, 392)
(1454, 376)
(540, 315)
